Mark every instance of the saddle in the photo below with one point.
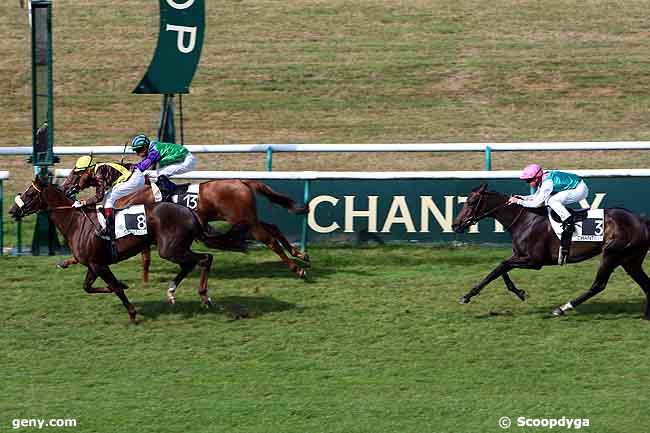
(577, 214)
(169, 188)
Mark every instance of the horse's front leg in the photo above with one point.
(501, 270)
(115, 286)
(521, 294)
(63, 264)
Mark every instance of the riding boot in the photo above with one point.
(104, 231)
(109, 233)
(565, 241)
(167, 187)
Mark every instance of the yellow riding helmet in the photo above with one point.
(84, 163)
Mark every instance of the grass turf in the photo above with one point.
(374, 342)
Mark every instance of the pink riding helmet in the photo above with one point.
(531, 171)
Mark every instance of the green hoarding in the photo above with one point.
(417, 210)
(180, 39)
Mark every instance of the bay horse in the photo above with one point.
(626, 240)
(230, 200)
(174, 240)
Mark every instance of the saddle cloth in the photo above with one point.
(129, 221)
(591, 229)
(189, 198)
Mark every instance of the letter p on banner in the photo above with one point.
(180, 39)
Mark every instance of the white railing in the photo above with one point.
(384, 147)
(4, 175)
(269, 149)
(313, 175)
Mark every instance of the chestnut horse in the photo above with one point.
(174, 240)
(626, 240)
(230, 200)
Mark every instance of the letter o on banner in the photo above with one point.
(181, 6)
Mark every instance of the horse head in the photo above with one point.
(75, 182)
(480, 203)
(38, 196)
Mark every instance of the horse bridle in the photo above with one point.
(475, 219)
(40, 199)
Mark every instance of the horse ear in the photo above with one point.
(482, 188)
(39, 180)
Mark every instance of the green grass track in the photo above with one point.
(374, 342)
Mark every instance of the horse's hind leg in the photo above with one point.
(186, 268)
(260, 233)
(607, 266)
(635, 270)
(275, 231)
(187, 260)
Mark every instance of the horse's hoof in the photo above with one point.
(62, 265)
(208, 303)
(558, 312)
(305, 258)
(522, 295)
(302, 274)
(464, 299)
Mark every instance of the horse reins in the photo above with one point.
(40, 191)
(476, 219)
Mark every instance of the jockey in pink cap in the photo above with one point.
(554, 189)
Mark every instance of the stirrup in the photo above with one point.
(562, 256)
(113, 252)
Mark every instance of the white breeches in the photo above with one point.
(134, 183)
(558, 200)
(184, 166)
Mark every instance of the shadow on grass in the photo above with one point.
(270, 269)
(263, 269)
(597, 310)
(235, 307)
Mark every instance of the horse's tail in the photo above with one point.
(277, 198)
(233, 240)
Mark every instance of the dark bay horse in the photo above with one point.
(626, 241)
(230, 200)
(174, 240)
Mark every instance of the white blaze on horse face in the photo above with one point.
(19, 201)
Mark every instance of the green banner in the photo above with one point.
(418, 210)
(180, 39)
